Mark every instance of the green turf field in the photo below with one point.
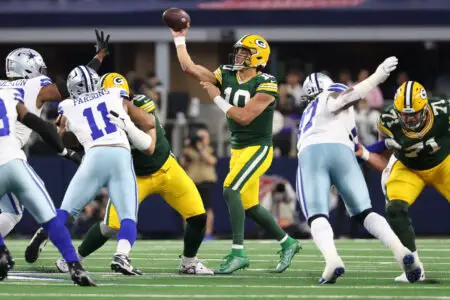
(369, 272)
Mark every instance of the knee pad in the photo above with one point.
(397, 208)
(198, 221)
(316, 217)
(362, 216)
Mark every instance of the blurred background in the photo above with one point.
(345, 38)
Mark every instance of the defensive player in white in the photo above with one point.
(26, 71)
(17, 176)
(327, 137)
(100, 121)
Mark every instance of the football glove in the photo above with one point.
(123, 122)
(102, 42)
(387, 66)
(74, 156)
(391, 143)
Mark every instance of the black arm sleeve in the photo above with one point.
(94, 64)
(46, 130)
(62, 88)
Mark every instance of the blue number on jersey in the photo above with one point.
(4, 117)
(310, 109)
(95, 131)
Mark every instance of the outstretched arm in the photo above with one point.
(338, 101)
(58, 91)
(186, 63)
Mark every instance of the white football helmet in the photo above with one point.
(82, 79)
(316, 83)
(25, 63)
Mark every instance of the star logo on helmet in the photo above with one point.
(31, 55)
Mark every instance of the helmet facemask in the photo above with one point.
(240, 58)
(413, 120)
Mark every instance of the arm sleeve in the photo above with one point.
(268, 85)
(378, 147)
(218, 73)
(94, 64)
(343, 100)
(46, 130)
(62, 88)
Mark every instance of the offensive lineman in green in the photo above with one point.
(249, 104)
(421, 126)
(158, 173)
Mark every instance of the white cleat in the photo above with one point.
(402, 278)
(62, 266)
(195, 267)
(412, 267)
(333, 270)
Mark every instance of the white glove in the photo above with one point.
(391, 143)
(386, 67)
(123, 122)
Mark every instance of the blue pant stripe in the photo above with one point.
(301, 193)
(135, 189)
(38, 182)
(13, 203)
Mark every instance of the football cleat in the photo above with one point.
(62, 266)
(7, 262)
(195, 267)
(333, 270)
(286, 256)
(79, 275)
(402, 278)
(121, 264)
(232, 263)
(412, 268)
(37, 243)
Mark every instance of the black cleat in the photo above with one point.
(121, 264)
(79, 275)
(37, 243)
(7, 262)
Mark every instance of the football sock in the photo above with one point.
(266, 221)
(193, 234)
(237, 215)
(93, 240)
(399, 220)
(126, 236)
(60, 237)
(62, 215)
(377, 226)
(2, 242)
(323, 237)
(8, 222)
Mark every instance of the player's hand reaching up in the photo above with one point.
(181, 33)
(212, 90)
(388, 65)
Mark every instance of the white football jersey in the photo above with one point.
(87, 118)
(321, 126)
(10, 146)
(29, 88)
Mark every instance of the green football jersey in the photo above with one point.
(238, 93)
(145, 164)
(425, 149)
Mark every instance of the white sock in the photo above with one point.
(8, 222)
(123, 247)
(323, 237)
(187, 260)
(379, 228)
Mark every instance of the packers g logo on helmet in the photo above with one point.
(411, 104)
(114, 80)
(259, 52)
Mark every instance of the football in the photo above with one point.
(176, 18)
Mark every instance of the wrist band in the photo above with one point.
(179, 41)
(222, 104)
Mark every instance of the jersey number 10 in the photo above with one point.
(95, 131)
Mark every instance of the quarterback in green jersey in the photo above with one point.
(421, 128)
(158, 173)
(247, 96)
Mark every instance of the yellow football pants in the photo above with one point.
(170, 182)
(406, 184)
(246, 167)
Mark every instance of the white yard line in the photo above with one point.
(276, 296)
